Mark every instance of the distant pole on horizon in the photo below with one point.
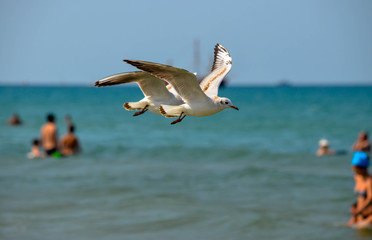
(197, 56)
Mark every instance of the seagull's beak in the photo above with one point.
(235, 107)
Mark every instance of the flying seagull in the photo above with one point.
(154, 89)
(199, 100)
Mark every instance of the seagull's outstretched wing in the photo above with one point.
(221, 66)
(152, 87)
(183, 81)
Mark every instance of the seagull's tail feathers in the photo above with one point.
(134, 105)
(170, 111)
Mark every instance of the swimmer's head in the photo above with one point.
(323, 143)
(50, 117)
(363, 136)
(71, 128)
(35, 142)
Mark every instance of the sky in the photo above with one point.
(318, 42)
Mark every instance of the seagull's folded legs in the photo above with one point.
(142, 111)
(179, 119)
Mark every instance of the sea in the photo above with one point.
(247, 174)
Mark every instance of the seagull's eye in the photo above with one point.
(226, 102)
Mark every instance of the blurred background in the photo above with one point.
(68, 42)
(301, 72)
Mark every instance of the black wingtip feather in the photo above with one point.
(218, 48)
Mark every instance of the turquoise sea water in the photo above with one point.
(248, 174)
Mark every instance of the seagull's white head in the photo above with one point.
(226, 103)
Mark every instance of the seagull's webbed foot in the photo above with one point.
(179, 119)
(141, 112)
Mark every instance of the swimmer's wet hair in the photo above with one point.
(71, 128)
(50, 117)
(35, 142)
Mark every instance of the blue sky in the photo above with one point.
(79, 42)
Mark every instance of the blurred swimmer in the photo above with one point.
(324, 148)
(49, 135)
(35, 150)
(69, 143)
(361, 212)
(14, 120)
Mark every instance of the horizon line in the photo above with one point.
(289, 85)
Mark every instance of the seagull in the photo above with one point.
(199, 100)
(154, 89)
